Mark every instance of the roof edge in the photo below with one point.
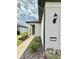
(33, 21)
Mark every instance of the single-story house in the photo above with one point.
(48, 26)
(21, 28)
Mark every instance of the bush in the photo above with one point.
(23, 37)
(18, 32)
(35, 45)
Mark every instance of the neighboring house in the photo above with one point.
(48, 26)
(22, 28)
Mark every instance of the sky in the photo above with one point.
(27, 10)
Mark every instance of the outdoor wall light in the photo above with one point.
(55, 18)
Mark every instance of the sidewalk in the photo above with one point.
(36, 55)
(22, 47)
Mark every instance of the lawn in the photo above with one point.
(19, 37)
(19, 42)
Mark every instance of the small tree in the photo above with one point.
(18, 32)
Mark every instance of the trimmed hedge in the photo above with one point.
(35, 44)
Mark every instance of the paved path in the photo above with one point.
(37, 55)
(22, 47)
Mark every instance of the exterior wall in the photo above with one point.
(23, 29)
(52, 30)
(18, 28)
(29, 30)
(42, 30)
(37, 29)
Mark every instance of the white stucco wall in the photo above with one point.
(37, 29)
(52, 30)
(42, 30)
(23, 29)
(29, 30)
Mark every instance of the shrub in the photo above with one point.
(50, 55)
(18, 32)
(53, 56)
(35, 45)
(23, 37)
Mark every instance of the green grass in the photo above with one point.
(53, 56)
(19, 42)
(20, 36)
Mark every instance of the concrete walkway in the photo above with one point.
(36, 55)
(22, 47)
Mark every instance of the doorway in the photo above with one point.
(33, 29)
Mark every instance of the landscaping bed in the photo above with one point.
(50, 54)
(35, 50)
(35, 44)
